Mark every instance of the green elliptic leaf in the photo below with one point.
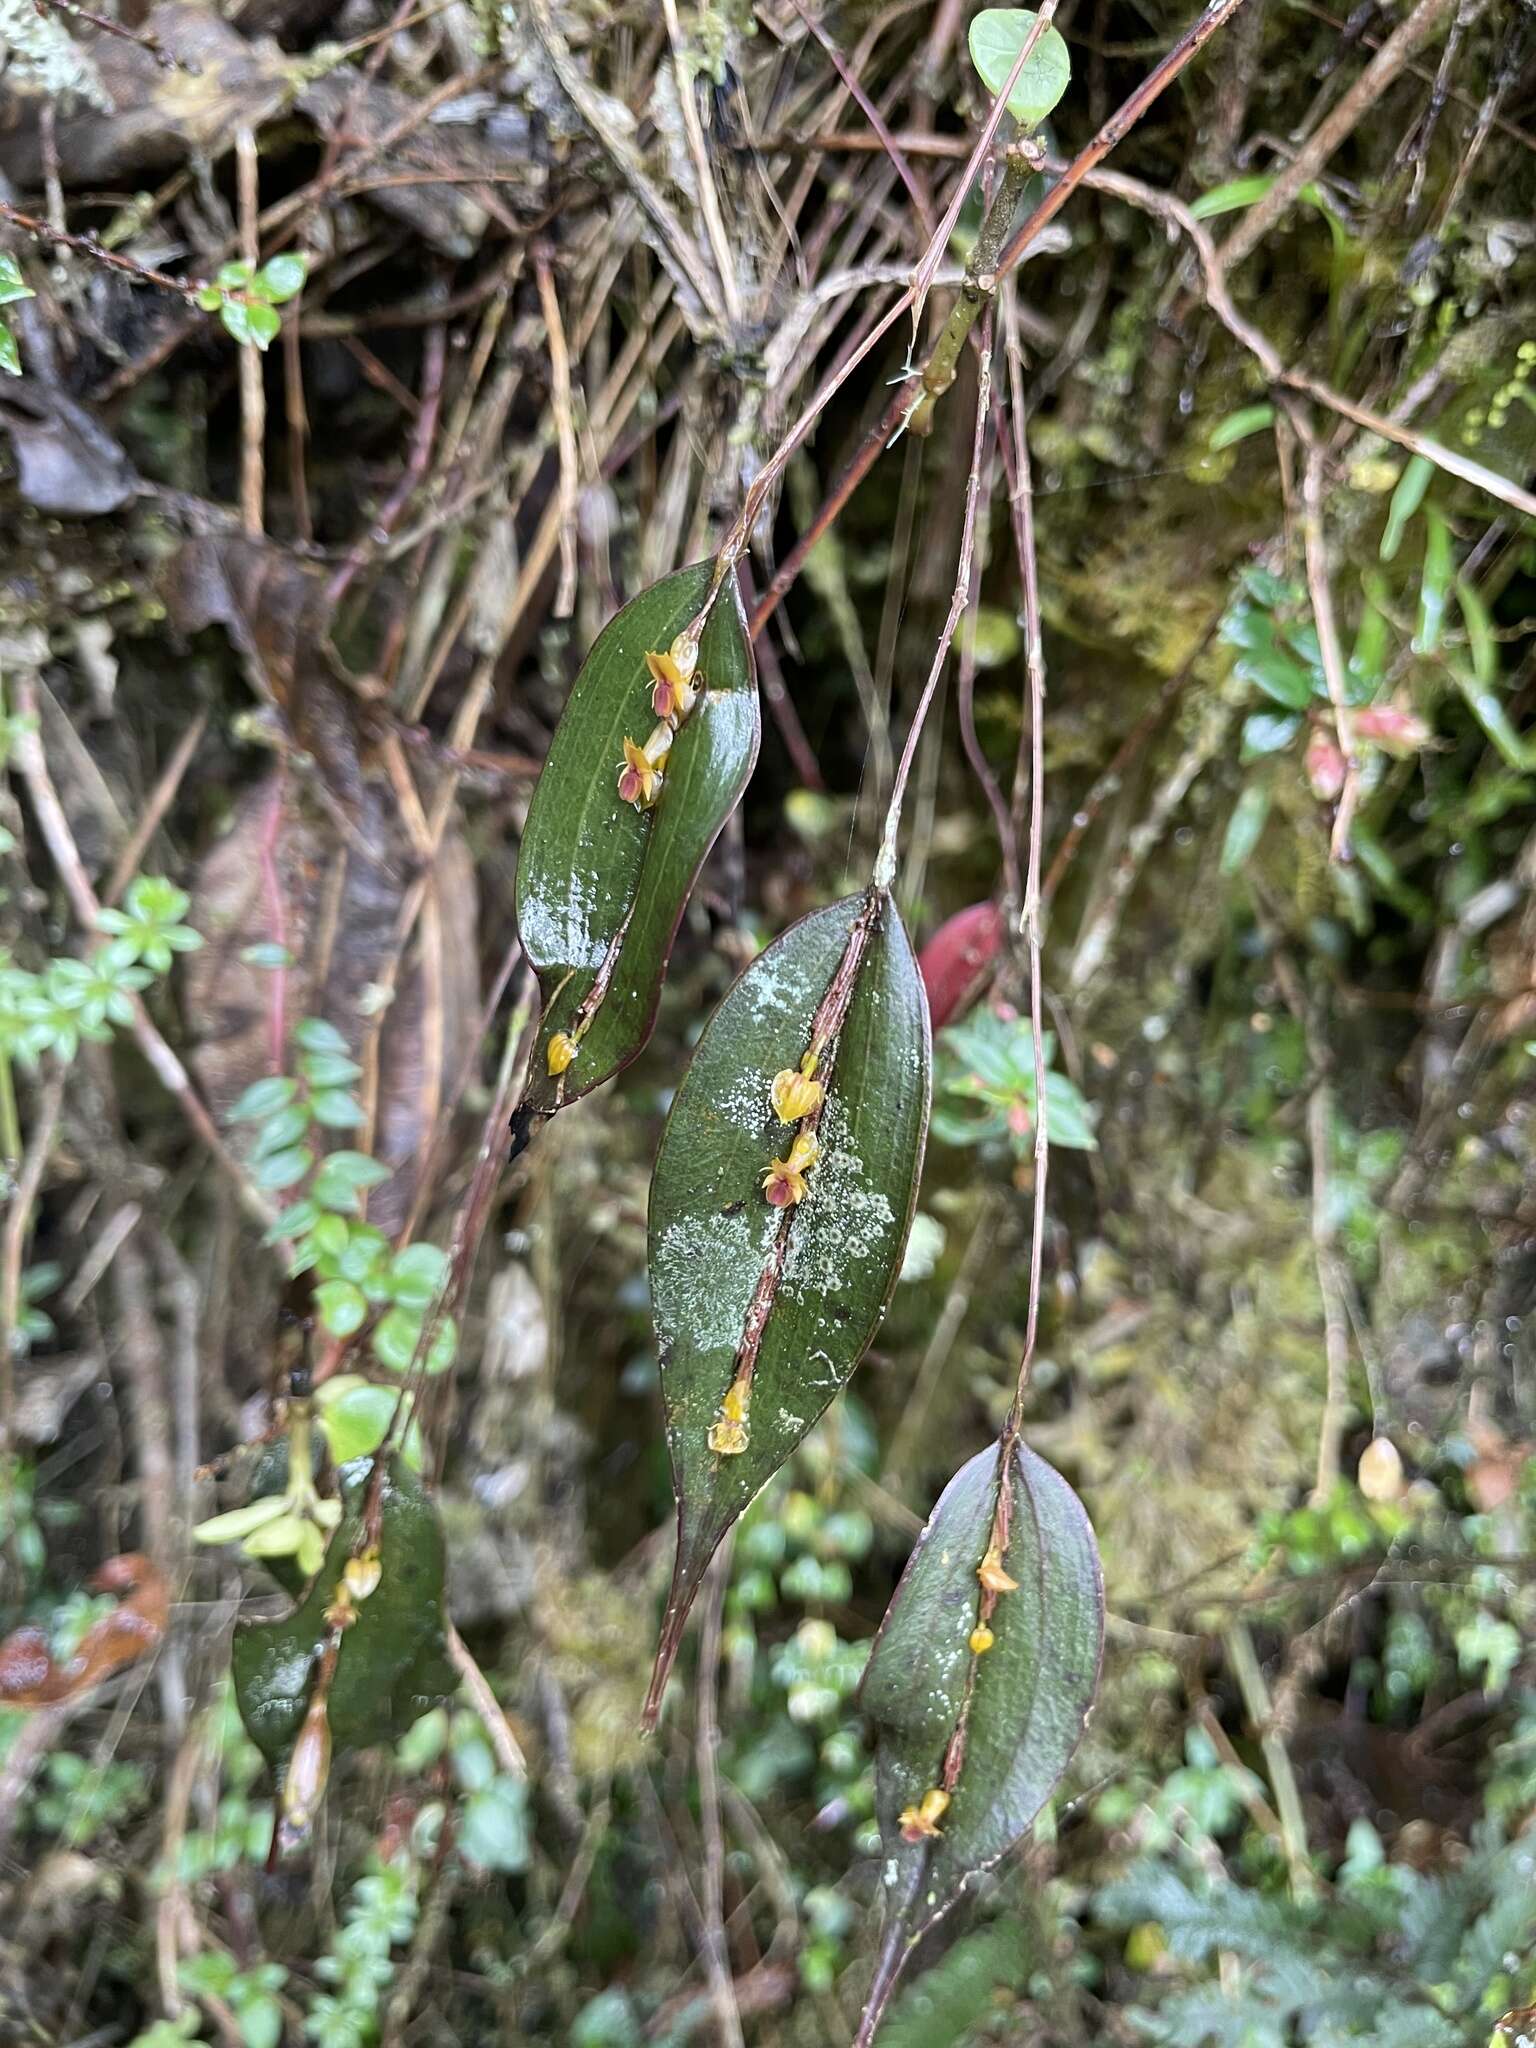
(393, 1661)
(817, 1275)
(1023, 1702)
(997, 36)
(601, 886)
(13, 285)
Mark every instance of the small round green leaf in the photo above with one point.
(337, 1110)
(343, 1307)
(416, 1274)
(493, 1831)
(263, 1099)
(997, 35)
(282, 276)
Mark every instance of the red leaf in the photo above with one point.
(956, 961)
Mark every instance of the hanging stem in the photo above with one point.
(885, 860)
(1034, 669)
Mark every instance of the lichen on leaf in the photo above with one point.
(772, 1258)
(989, 1727)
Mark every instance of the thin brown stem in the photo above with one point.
(253, 388)
(885, 860)
(1032, 918)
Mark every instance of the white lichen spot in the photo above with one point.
(706, 1268)
(557, 932)
(844, 1223)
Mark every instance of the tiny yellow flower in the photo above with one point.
(921, 1823)
(729, 1435)
(672, 695)
(982, 1639)
(639, 778)
(794, 1095)
(991, 1574)
(784, 1183)
(561, 1053)
(362, 1574)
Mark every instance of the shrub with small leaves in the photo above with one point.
(70, 1000)
(251, 1995)
(985, 1088)
(381, 1914)
(246, 298)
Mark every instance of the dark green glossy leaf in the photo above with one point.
(715, 1241)
(599, 881)
(1023, 1702)
(393, 1662)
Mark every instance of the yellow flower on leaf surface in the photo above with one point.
(639, 778)
(672, 693)
(561, 1051)
(991, 1574)
(794, 1095)
(728, 1436)
(784, 1183)
(920, 1823)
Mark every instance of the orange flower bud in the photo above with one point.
(1326, 767)
(982, 1639)
(362, 1574)
(1393, 730)
(561, 1052)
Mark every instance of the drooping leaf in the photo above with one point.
(393, 1664)
(997, 35)
(995, 1728)
(601, 886)
(810, 1280)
